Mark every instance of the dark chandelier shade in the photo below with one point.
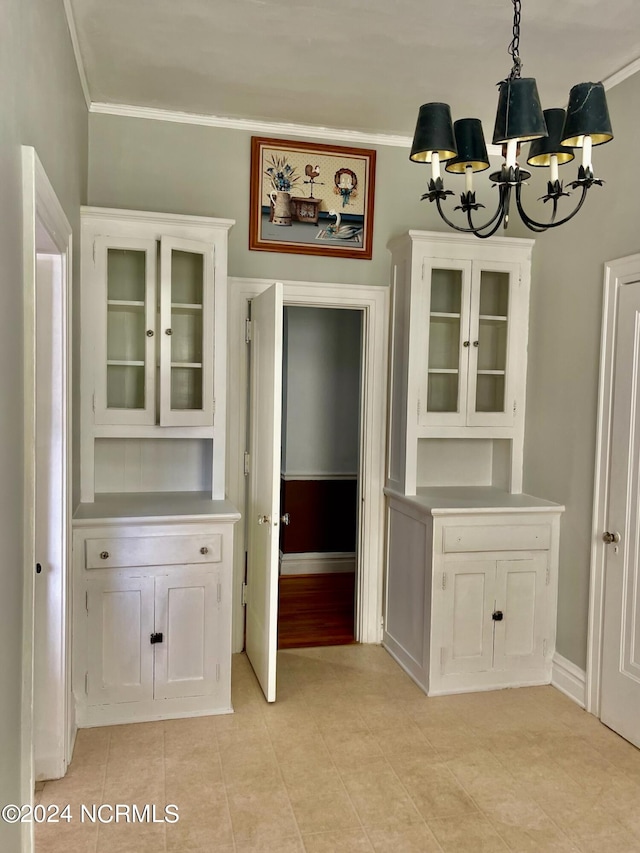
(553, 135)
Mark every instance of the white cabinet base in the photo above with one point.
(89, 716)
(471, 589)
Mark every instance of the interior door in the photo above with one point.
(620, 698)
(263, 521)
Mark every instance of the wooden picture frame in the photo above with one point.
(311, 199)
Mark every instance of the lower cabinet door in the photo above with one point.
(120, 657)
(467, 626)
(521, 595)
(187, 660)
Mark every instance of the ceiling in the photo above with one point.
(362, 65)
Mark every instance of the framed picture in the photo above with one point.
(311, 199)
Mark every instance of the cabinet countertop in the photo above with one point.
(473, 500)
(154, 507)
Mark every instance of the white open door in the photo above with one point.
(620, 697)
(263, 513)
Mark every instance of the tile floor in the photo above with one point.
(353, 758)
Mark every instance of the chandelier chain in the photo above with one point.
(514, 47)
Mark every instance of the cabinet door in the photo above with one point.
(443, 394)
(493, 340)
(187, 331)
(187, 661)
(521, 595)
(125, 333)
(120, 656)
(465, 619)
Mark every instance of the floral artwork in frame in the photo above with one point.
(311, 199)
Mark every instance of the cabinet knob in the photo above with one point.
(264, 519)
(476, 343)
(168, 331)
(466, 343)
(611, 538)
(104, 555)
(149, 333)
(498, 616)
(204, 550)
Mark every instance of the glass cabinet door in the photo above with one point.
(125, 336)
(447, 297)
(490, 400)
(186, 319)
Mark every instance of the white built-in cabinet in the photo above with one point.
(154, 294)
(472, 562)
(153, 534)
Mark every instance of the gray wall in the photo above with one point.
(179, 168)
(41, 104)
(138, 163)
(321, 391)
(564, 354)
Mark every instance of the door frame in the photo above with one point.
(616, 274)
(43, 212)
(373, 302)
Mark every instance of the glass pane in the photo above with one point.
(490, 393)
(494, 293)
(187, 277)
(125, 387)
(446, 291)
(186, 388)
(125, 333)
(126, 270)
(444, 342)
(442, 392)
(492, 349)
(186, 341)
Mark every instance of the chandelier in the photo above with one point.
(552, 134)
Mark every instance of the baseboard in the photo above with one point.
(569, 679)
(317, 564)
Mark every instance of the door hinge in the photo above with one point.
(217, 672)
(86, 683)
(247, 462)
(219, 592)
(244, 595)
(444, 580)
(93, 402)
(86, 601)
(443, 657)
(247, 331)
(418, 407)
(544, 648)
(548, 576)
(94, 251)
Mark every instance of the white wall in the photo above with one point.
(41, 104)
(322, 391)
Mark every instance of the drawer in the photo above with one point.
(496, 537)
(152, 551)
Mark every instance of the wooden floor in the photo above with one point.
(316, 610)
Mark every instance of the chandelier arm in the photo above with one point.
(472, 229)
(498, 219)
(541, 226)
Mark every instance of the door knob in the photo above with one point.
(264, 519)
(611, 538)
(286, 519)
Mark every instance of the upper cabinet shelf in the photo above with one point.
(459, 343)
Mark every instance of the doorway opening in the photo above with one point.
(319, 476)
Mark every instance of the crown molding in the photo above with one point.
(624, 73)
(73, 32)
(285, 129)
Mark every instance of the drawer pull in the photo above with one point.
(204, 550)
(104, 555)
